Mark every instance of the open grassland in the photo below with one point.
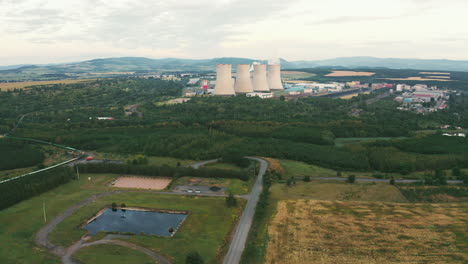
(222, 165)
(204, 230)
(296, 75)
(152, 160)
(114, 254)
(349, 73)
(325, 190)
(18, 85)
(435, 194)
(308, 231)
(299, 169)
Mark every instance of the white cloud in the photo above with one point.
(38, 31)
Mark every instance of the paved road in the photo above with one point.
(376, 180)
(237, 246)
(199, 164)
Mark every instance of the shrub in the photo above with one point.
(306, 179)
(351, 178)
(231, 201)
(193, 258)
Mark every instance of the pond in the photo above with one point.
(136, 221)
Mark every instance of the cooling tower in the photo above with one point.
(224, 84)
(243, 81)
(260, 83)
(274, 77)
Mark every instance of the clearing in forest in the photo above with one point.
(310, 231)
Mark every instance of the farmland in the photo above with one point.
(349, 73)
(362, 232)
(20, 85)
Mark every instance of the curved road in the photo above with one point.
(237, 246)
(199, 164)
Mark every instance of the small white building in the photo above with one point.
(261, 95)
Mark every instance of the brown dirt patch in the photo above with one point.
(349, 73)
(275, 165)
(141, 182)
(309, 231)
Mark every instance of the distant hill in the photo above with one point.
(135, 64)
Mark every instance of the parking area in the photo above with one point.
(199, 189)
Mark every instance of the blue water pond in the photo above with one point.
(134, 221)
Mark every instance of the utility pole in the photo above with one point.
(77, 173)
(45, 217)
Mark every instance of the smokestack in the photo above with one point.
(243, 81)
(260, 83)
(224, 84)
(274, 77)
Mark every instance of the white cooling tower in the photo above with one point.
(243, 81)
(260, 83)
(224, 84)
(274, 77)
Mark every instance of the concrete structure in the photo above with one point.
(274, 77)
(261, 95)
(243, 81)
(224, 84)
(260, 82)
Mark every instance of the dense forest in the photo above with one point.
(209, 127)
(18, 154)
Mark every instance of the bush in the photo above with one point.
(351, 178)
(193, 258)
(306, 179)
(231, 201)
(392, 181)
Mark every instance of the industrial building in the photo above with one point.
(261, 82)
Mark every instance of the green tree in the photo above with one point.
(231, 201)
(392, 181)
(194, 258)
(456, 171)
(306, 179)
(351, 178)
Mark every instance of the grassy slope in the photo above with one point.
(114, 254)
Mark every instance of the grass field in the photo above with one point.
(205, 229)
(18, 85)
(324, 190)
(307, 231)
(114, 254)
(152, 160)
(222, 165)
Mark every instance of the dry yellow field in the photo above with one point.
(444, 73)
(310, 231)
(417, 79)
(18, 85)
(349, 73)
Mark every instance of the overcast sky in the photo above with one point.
(50, 31)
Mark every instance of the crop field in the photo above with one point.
(340, 191)
(308, 231)
(295, 75)
(18, 85)
(349, 73)
(442, 79)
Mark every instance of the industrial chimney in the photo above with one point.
(243, 81)
(224, 84)
(274, 77)
(260, 83)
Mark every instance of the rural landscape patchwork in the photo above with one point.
(113, 153)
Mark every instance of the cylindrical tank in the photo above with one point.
(260, 82)
(224, 85)
(274, 77)
(243, 81)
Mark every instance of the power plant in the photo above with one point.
(260, 82)
(274, 77)
(224, 83)
(243, 82)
